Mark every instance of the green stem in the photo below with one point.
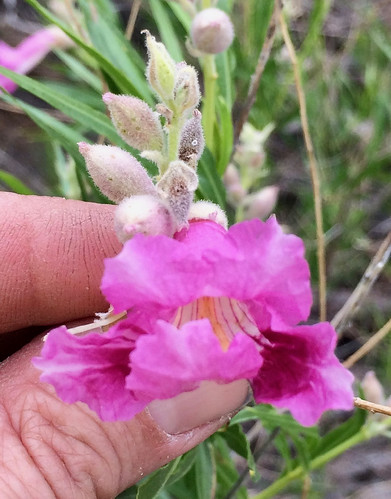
(209, 104)
(174, 130)
(366, 432)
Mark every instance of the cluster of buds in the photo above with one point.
(171, 136)
(245, 172)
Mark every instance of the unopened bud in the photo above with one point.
(205, 210)
(177, 187)
(235, 190)
(161, 70)
(116, 172)
(191, 142)
(135, 122)
(147, 215)
(262, 203)
(212, 31)
(373, 390)
(187, 89)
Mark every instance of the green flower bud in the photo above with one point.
(187, 89)
(135, 122)
(161, 70)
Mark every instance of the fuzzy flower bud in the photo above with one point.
(116, 172)
(177, 187)
(212, 31)
(146, 215)
(161, 70)
(262, 203)
(205, 210)
(372, 388)
(135, 122)
(191, 142)
(187, 89)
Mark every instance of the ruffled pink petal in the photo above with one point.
(91, 369)
(172, 361)
(254, 262)
(28, 53)
(276, 270)
(301, 373)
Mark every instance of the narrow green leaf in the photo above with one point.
(226, 135)
(14, 183)
(225, 75)
(341, 433)
(205, 471)
(226, 471)
(271, 419)
(151, 487)
(182, 16)
(183, 467)
(123, 83)
(166, 29)
(79, 70)
(65, 135)
(211, 186)
(110, 41)
(85, 115)
(238, 442)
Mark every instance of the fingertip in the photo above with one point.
(52, 253)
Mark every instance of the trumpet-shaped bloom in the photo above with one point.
(29, 53)
(209, 304)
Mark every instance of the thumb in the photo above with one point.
(67, 451)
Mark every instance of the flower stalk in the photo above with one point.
(209, 101)
(365, 433)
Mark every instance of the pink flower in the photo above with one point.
(29, 53)
(209, 304)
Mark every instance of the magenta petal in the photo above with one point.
(172, 361)
(301, 373)
(276, 269)
(91, 369)
(254, 262)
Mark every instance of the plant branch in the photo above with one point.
(371, 407)
(256, 77)
(312, 163)
(136, 4)
(364, 286)
(369, 345)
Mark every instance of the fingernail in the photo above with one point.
(207, 403)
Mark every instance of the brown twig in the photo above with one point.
(364, 286)
(256, 77)
(312, 163)
(371, 407)
(132, 19)
(369, 345)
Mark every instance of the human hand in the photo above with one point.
(51, 262)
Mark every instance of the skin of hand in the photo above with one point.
(51, 263)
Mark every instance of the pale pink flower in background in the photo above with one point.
(206, 305)
(30, 52)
